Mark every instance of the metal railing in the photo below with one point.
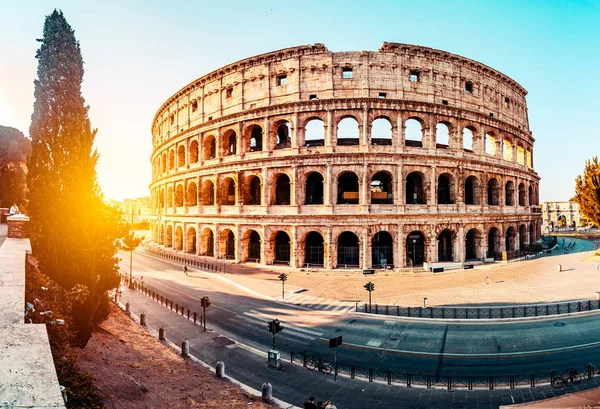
(204, 265)
(487, 312)
(408, 379)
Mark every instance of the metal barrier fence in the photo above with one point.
(216, 267)
(450, 382)
(517, 311)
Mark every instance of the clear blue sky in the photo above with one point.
(138, 53)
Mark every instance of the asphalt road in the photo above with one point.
(458, 349)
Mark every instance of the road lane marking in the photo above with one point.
(288, 330)
(263, 317)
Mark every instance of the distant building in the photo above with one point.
(140, 207)
(558, 215)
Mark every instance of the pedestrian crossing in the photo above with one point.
(317, 303)
(297, 330)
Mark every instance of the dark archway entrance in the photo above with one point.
(382, 250)
(445, 246)
(348, 250)
(314, 189)
(494, 242)
(254, 247)
(282, 190)
(313, 249)
(472, 244)
(415, 249)
(415, 192)
(282, 248)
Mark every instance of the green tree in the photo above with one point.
(14, 148)
(74, 234)
(587, 191)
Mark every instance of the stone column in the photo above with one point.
(294, 136)
(238, 244)
(328, 186)
(365, 132)
(329, 131)
(328, 249)
(400, 261)
(364, 191)
(433, 187)
(366, 249)
(459, 245)
(294, 250)
(264, 190)
(400, 140)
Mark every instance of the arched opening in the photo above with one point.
(313, 249)
(415, 191)
(413, 133)
(494, 243)
(382, 246)
(493, 192)
(171, 159)
(194, 152)
(283, 135)
(415, 249)
(528, 160)
(208, 243)
(256, 139)
(164, 162)
(532, 238)
(252, 191)
(442, 136)
(179, 196)
(179, 238)
(208, 193)
(191, 241)
(348, 132)
(508, 148)
(180, 156)
(445, 189)
(509, 193)
(228, 196)
(170, 197)
(521, 194)
(161, 198)
(169, 236)
(192, 194)
(522, 237)
(468, 139)
(229, 143)
(228, 244)
(520, 154)
(161, 235)
(445, 252)
(314, 133)
(314, 188)
(210, 147)
(381, 132)
(282, 248)
(472, 243)
(282, 190)
(348, 188)
(381, 189)
(511, 239)
(490, 144)
(530, 196)
(348, 250)
(253, 246)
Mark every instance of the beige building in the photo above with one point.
(397, 157)
(557, 215)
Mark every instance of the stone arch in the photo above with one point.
(161, 235)
(490, 143)
(532, 238)
(210, 147)
(520, 154)
(468, 135)
(521, 194)
(511, 239)
(348, 250)
(208, 242)
(282, 247)
(508, 149)
(169, 236)
(382, 188)
(192, 194)
(348, 188)
(445, 247)
(282, 134)
(314, 132)
(171, 159)
(190, 244)
(229, 143)
(348, 131)
(178, 238)
(446, 193)
(528, 157)
(530, 195)
(227, 244)
(228, 192)
(415, 249)
(494, 240)
(180, 156)
(170, 196)
(381, 131)
(252, 246)
(413, 134)
(314, 188)
(442, 135)
(164, 162)
(161, 198)
(522, 237)
(179, 195)
(415, 188)
(281, 190)
(493, 192)
(194, 151)
(252, 188)
(207, 196)
(314, 249)
(509, 193)
(472, 244)
(253, 139)
(382, 250)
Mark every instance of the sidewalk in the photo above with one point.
(293, 384)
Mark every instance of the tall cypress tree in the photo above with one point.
(73, 232)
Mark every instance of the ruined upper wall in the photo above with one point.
(307, 72)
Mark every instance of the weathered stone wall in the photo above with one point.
(222, 131)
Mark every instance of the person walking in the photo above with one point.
(185, 271)
(310, 404)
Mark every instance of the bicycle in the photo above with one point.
(573, 376)
(323, 367)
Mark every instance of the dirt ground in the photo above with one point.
(134, 370)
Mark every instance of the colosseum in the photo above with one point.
(398, 158)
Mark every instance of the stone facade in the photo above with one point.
(364, 159)
(567, 211)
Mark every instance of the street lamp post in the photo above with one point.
(131, 253)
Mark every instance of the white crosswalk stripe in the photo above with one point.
(318, 303)
(296, 330)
